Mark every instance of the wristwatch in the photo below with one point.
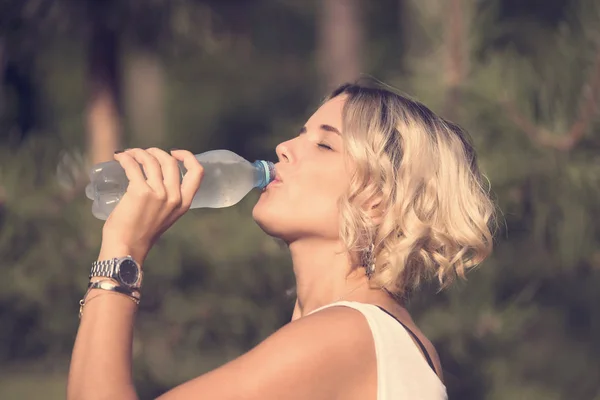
(124, 270)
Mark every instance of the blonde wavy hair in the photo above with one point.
(421, 170)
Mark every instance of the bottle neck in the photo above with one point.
(264, 173)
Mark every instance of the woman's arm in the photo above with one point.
(321, 356)
(102, 350)
(326, 355)
(155, 199)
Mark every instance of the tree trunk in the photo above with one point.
(2, 69)
(2, 106)
(144, 96)
(103, 116)
(340, 42)
(456, 55)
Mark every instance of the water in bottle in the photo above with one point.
(227, 179)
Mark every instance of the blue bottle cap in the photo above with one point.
(267, 173)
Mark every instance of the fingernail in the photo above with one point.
(118, 151)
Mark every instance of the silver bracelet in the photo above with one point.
(111, 286)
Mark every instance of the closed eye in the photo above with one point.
(324, 146)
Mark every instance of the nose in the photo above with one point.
(283, 152)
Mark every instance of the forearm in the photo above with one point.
(156, 197)
(102, 354)
(101, 360)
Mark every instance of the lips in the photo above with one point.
(277, 176)
(275, 182)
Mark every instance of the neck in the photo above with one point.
(324, 274)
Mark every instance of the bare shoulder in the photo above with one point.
(335, 329)
(320, 356)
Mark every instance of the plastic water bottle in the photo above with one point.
(227, 179)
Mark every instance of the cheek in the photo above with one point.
(304, 205)
(316, 193)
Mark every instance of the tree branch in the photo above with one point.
(588, 107)
(536, 134)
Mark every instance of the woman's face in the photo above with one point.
(311, 176)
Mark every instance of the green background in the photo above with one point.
(523, 77)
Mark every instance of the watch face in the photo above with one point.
(128, 272)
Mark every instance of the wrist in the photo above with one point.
(106, 287)
(108, 251)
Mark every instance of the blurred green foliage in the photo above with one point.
(242, 75)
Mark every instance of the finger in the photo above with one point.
(192, 178)
(171, 175)
(152, 170)
(132, 168)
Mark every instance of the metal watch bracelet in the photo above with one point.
(102, 268)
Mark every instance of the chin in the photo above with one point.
(266, 218)
(290, 221)
(290, 226)
(277, 220)
(273, 221)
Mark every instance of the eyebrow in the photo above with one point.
(324, 127)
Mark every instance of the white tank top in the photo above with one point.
(402, 371)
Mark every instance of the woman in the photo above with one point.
(374, 195)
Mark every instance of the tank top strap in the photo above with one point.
(337, 303)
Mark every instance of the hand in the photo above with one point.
(152, 203)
